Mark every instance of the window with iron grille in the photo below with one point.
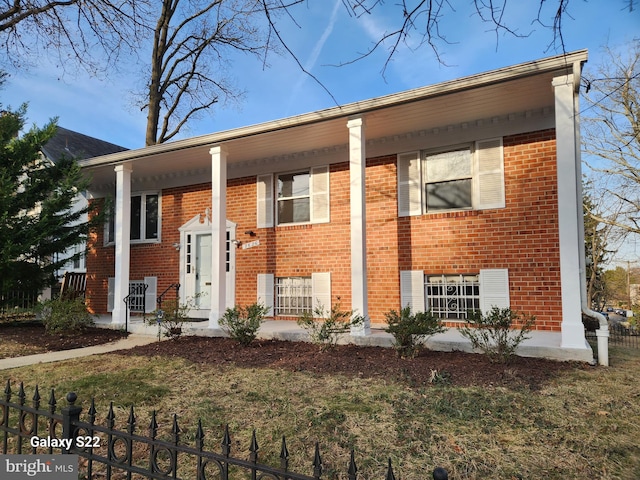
(293, 295)
(452, 296)
(136, 299)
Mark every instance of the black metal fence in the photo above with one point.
(106, 452)
(619, 335)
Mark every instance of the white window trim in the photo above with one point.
(494, 289)
(142, 220)
(424, 180)
(150, 294)
(320, 290)
(488, 188)
(319, 198)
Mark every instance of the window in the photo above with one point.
(300, 197)
(144, 219)
(141, 297)
(459, 178)
(293, 198)
(452, 296)
(293, 295)
(447, 180)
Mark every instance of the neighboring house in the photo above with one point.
(456, 196)
(70, 144)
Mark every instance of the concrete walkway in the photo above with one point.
(131, 341)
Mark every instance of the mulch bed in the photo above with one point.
(32, 333)
(428, 368)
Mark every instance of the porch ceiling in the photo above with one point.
(515, 90)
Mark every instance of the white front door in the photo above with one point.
(202, 291)
(195, 267)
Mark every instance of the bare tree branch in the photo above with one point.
(71, 30)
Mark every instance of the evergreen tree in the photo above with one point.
(37, 218)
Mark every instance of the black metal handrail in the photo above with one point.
(160, 298)
(135, 290)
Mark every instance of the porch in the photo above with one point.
(540, 344)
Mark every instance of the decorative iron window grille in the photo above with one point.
(136, 300)
(293, 295)
(452, 296)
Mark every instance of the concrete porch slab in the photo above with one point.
(540, 344)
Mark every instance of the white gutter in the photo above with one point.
(603, 332)
(357, 108)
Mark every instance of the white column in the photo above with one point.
(569, 212)
(122, 232)
(357, 166)
(218, 233)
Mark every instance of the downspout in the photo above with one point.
(602, 333)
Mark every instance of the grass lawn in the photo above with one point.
(583, 424)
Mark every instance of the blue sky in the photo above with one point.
(325, 35)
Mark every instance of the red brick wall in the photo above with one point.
(522, 237)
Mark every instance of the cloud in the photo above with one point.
(311, 62)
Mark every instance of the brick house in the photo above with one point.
(460, 195)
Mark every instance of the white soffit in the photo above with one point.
(516, 89)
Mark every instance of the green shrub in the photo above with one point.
(170, 318)
(65, 316)
(242, 323)
(494, 334)
(411, 330)
(325, 328)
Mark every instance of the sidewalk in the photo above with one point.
(133, 340)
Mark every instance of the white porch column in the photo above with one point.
(122, 232)
(218, 233)
(569, 212)
(357, 166)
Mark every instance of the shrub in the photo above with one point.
(242, 323)
(411, 330)
(325, 328)
(170, 318)
(65, 316)
(494, 334)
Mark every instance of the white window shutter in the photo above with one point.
(111, 287)
(320, 195)
(409, 184)
(321, 290)
(412, 290)
(490, 174)
(265, 291)
(264, 185)
(494, 289)
(150, 294)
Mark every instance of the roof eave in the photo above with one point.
(568, 62)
